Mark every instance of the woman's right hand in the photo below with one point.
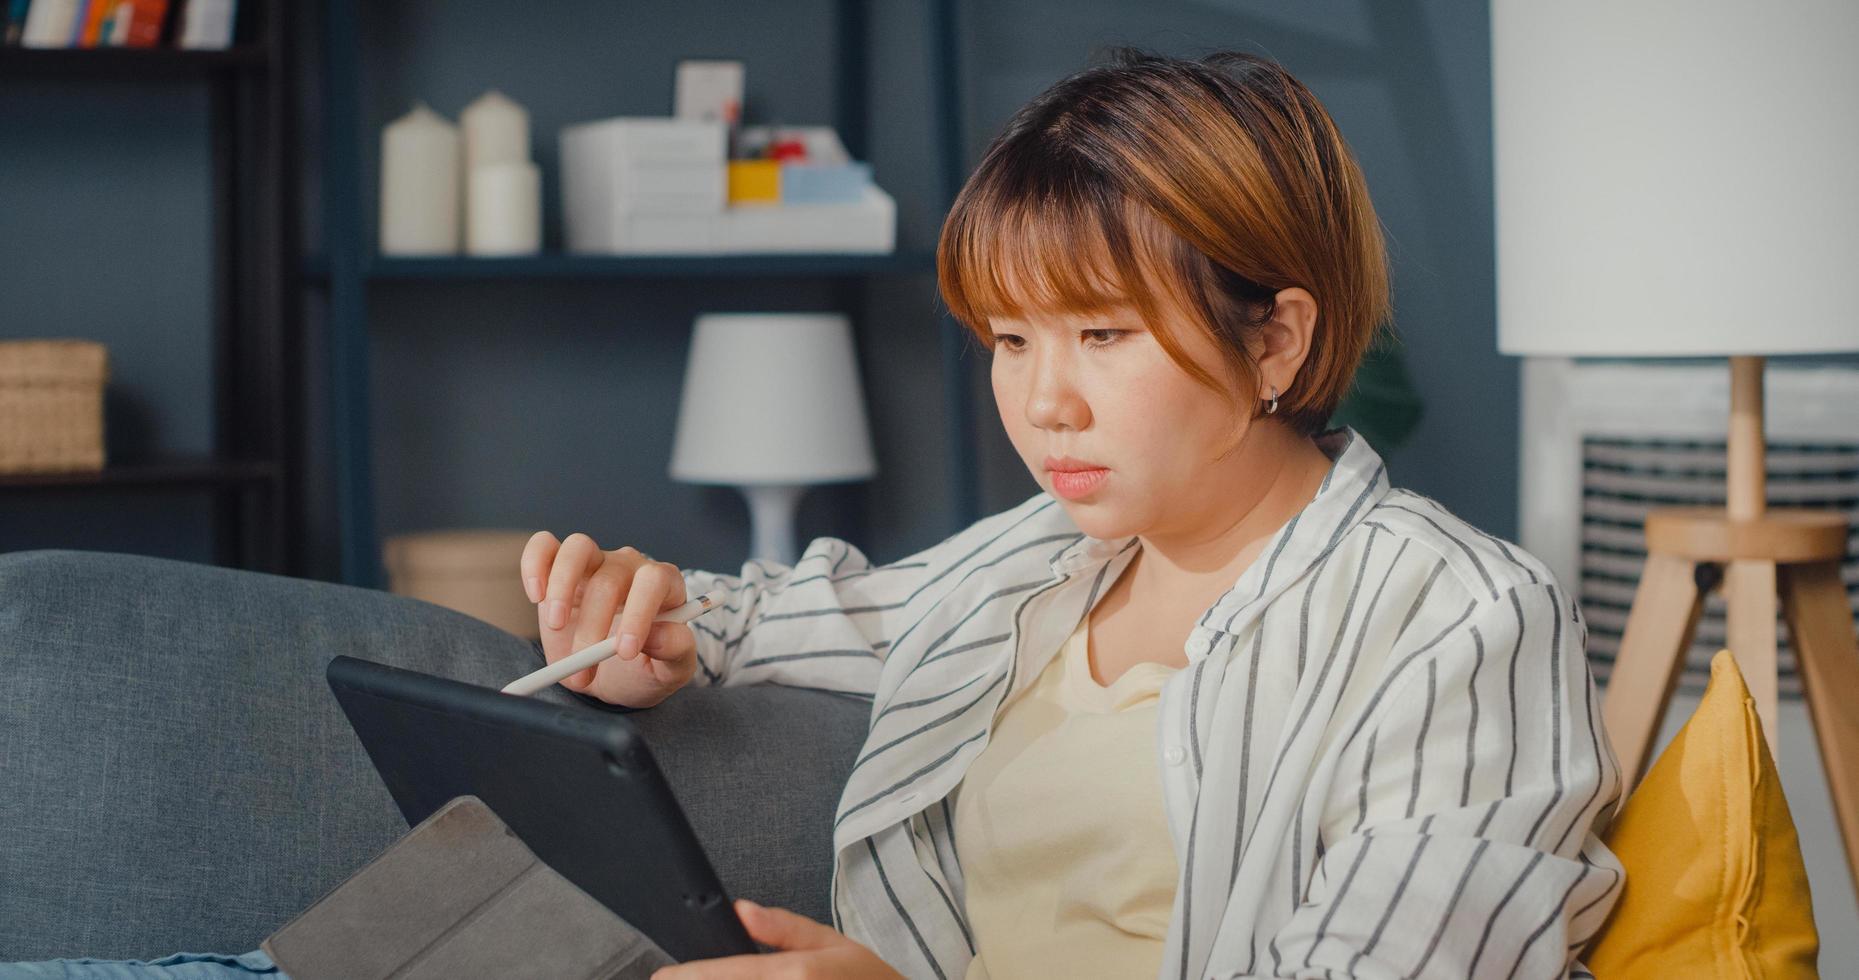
(578, 589)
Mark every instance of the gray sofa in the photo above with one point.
(176, 776)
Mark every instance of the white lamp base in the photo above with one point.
(771, 519)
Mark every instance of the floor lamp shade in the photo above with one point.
(1676, 177)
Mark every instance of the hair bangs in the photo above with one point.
(1063, 246)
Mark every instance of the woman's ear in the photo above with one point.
(1285, 340)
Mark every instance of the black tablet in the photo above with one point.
(579, 787)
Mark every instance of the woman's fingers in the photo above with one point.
(564, 576)
(584, 594)
(656, 586)
(669, 655)
(578, 558)
(606, 589)
(538, 555)
(671, 643)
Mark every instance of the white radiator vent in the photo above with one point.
(1608, 441)
(1622, 478)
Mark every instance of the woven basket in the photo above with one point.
(51, 405)
(475, 571)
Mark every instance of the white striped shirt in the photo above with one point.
(1384, 757)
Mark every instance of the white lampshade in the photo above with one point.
(1676, 177)
(771, 398)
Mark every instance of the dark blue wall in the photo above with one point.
(541, 404)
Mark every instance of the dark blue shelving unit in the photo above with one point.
(635, 266)
(251, 472)
(349, 265)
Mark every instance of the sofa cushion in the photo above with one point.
(1715, 883)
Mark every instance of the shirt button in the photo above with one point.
(1174, 755)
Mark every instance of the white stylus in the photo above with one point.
(535, 681)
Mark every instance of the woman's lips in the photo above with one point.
(1075, 484)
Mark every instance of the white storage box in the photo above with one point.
(658, 185)
(638, 164)
(682, 188)
(647, 138)
(868, 226)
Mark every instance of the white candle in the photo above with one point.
(496, 131)
(419, 185)
(505, 209)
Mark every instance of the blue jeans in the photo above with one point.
(178, 966)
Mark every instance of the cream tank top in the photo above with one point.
(1059, 825)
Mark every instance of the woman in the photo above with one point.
(1219, 701)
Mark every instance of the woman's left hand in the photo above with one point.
(807, 949)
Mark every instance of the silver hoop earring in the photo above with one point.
(1273, 407)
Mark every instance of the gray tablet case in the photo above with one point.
(460, 895)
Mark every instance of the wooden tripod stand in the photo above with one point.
(1757, 557)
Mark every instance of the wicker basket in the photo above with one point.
(472, 570)
(51, 405)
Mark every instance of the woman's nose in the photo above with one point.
(1053, 400)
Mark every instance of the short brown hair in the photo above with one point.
(1207, 184)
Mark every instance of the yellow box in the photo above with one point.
(754, 181)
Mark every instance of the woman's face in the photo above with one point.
(1100, 388)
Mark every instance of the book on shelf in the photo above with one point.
(140, 26)
(16, 21)
(49, 23)
(206, 24)
(195, 25)
(91, 21)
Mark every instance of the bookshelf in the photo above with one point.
(348, 267)
(632, 267)
(162, 470)
(136, 62)
(250, 471)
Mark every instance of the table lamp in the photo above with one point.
(771, 405)
(1676, 180)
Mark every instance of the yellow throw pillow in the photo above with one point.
(1715, 883)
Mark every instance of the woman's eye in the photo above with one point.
(1013, 343)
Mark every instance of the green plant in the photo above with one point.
(1382, 403)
